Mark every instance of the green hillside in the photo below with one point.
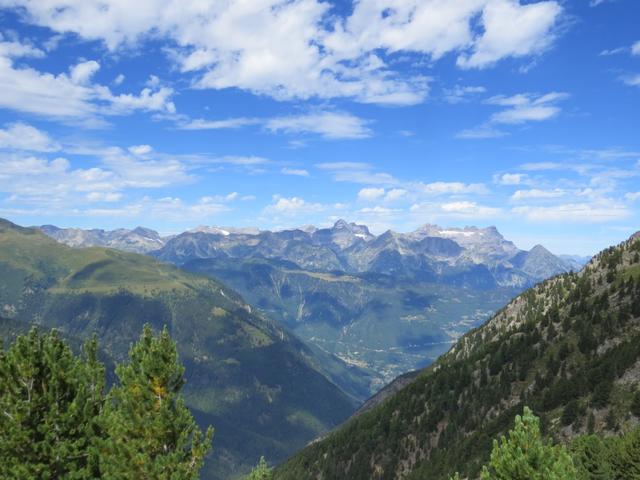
(260, 387)
(387, 324)
(569, 348)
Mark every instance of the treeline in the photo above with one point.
(524, 454)
(57, 419)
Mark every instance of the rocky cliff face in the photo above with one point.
(441, 254)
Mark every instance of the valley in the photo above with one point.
(387, 303)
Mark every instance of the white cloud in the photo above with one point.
(536, 193)
(172, 209)
(612, 51)
(537, 166)
(632, 80)
(140, 149)
(510, 178)
(481, 131)
(292, 206)
(526, 107)
(119, 79)
(459, 94)
(104, 196)
(602, 211)
(20, 136)
(72, 96)
(451, 188)
(378, 210)
(357, 172)
(632, 196)
(370, 194)
(333, 125)
(14, 49)
(518, 109)
(82, 72)
(304, 48)
(344, 166)
(395, 194)
(635, 48)
(239, 160)
(201, 124)
(454, 210)
(299, 172)
(512, 30)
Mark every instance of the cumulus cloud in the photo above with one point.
(512, 30)
(510, 178)
(20, 136)
(69, 96)
(82, 72)
(370, 194)
(140, 149)
(292, 206)
(303, 48)
(463, 209)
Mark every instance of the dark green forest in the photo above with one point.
(569, 348)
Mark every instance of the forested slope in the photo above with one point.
(569, 348)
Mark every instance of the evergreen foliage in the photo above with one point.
(261, 471)
(150, 433)
(57, 423)
(524, 455)
(50, 401)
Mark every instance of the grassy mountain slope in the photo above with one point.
(257, 384)
(569, 348)
(386, 324)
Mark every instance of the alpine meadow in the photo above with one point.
(319, 240)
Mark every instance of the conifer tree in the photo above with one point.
(592, 458)
(524, 455)
(49, 404)
(626, 457)
(261, 471)
(151, 434)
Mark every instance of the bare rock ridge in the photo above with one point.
(468, 255)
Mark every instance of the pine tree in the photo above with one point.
(150, 432)
(49, 403)
(261, 471)
(626, 457)
(592, 458)
(524, 455)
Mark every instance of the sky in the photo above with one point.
(275, 114)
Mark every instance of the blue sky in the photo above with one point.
(268, 113)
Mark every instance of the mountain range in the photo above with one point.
(386, 303)
(265, 391)
(569, 348)
(430, 252)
